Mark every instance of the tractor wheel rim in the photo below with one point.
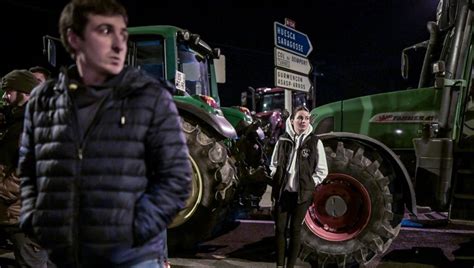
(193, 200)
(340, 210)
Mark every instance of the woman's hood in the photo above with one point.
(291, 131)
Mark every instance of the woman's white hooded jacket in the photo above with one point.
(298, 163)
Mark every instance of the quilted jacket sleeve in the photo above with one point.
(168, 169)
(26, 168)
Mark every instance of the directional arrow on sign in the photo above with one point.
(292, 62)
(291, 80)
(292, 40)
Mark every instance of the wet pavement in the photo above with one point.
(428, 241)
(251, 244)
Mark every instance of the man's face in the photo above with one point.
(40, 77)
(14, 98)
(103, 48)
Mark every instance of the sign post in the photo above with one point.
(292, 66)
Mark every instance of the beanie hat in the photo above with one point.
(40, 69)
(19, 80)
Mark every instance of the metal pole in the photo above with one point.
(288, 100)
(314, 87)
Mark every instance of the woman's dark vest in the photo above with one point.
(306, 163)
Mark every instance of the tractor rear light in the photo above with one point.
(209, 101)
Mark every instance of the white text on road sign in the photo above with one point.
(291, 80)
(292, 40)
(292, 62)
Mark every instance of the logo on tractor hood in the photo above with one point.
(405, 117)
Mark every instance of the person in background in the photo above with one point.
(16, 86)
(298, 165)
(104, 163)
(42, 74)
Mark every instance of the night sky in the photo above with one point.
(356, 44)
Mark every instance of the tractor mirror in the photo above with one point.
(219, 65)
(405, 63)
(404, 66)
(49, 49)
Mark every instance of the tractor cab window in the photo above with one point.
(196, 70)
(274, 101)
(147, 54)
(299, 99)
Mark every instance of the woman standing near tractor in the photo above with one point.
(298, 165)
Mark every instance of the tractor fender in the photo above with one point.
(387, 153)
(217, 122)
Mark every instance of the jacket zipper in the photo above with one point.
(75, 187)
(77, 180)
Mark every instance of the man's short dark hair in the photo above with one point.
(74, 16)
(39, 69)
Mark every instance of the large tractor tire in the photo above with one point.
(355, 214)
(213, 186)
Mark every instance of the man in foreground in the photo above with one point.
(103, 161)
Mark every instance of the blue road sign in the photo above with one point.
(292, 40)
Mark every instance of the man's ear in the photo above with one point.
(73, 39)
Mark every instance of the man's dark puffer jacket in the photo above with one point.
(103, 200)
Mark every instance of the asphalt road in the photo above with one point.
(430, 241)
(251, 244)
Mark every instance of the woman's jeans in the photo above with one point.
(289, 212)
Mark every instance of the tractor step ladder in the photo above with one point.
(462, 205)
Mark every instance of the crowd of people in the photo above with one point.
(92, 171)
(17, 86)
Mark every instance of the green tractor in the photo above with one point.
(391, 152)
(224, 143)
